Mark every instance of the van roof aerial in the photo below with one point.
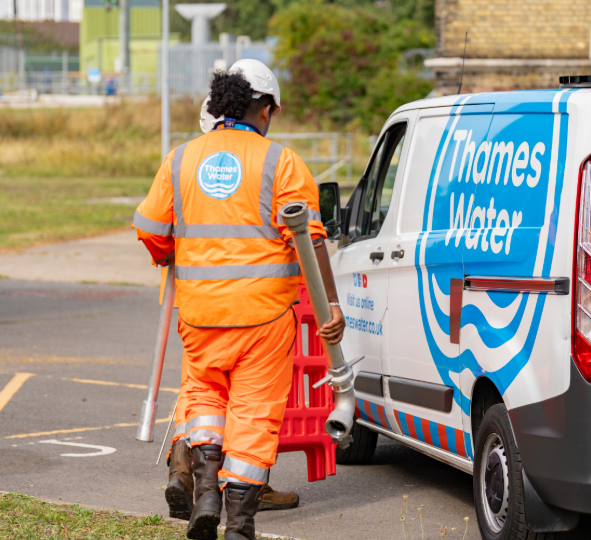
(575, 81)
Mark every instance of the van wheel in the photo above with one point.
(362, 449)
(498, 489)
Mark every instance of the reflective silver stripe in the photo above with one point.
(222, 481)
(205, 435)
(207, 420)
(151, 226)
(177, 159)
(231, 231)
(313, 215)
(244, 271)
(267, 181)
(252, 472)
(181, 429)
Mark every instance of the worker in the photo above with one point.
(214, 206)
(179, 491)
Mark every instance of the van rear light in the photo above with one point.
(581, 313)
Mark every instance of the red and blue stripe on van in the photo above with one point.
(438, 435)
(372, 412)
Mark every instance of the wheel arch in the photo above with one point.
(484, 395)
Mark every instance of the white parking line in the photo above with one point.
(104, 450)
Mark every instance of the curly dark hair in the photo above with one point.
(231, 97)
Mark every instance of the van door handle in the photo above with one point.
(377, 256)
(398, 254)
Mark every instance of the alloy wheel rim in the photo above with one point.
(494, 482)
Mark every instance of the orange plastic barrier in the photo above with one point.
(303, 426)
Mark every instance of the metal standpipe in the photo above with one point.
(145, 431)
(340, 375)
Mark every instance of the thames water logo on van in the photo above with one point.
(220, 175)
(360, 280)
(491, 208)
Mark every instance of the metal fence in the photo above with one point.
(11, 59)
(332, 149)
(190, 70)
(191, 66)
(76, 83)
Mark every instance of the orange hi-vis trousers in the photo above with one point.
(235, 384)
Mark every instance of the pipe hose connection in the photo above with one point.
(295, 216)
(340, 421)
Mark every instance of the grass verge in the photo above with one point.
(40, 210)
(26, 517)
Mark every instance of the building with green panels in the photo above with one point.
(99, 36)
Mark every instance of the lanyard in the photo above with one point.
(230, 123)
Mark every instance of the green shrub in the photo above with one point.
(342, 63)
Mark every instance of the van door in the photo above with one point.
(425, 275)
(360, 269)
(513, 331)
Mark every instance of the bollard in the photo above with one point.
(145, 431)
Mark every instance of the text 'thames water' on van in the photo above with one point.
(464, 273)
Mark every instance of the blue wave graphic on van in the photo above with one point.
(491, 209)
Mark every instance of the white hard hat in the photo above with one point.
(260, 77)
(207, 120)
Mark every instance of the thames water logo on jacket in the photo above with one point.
(220, 175)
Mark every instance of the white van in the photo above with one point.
(464, 273)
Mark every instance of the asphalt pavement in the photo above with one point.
(74, 362)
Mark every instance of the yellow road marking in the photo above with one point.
(77, 430)
(13, 386)
(110, 383)
(42, 433)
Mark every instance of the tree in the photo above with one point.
(341, 63)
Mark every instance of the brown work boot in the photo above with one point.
(242, 502)
(179, 492)
(278, 500)
(207, 462)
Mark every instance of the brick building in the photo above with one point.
(512, 44)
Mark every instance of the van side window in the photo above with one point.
(380, 180)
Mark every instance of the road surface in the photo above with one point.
(74, 359)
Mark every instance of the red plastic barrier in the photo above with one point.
(303, 426)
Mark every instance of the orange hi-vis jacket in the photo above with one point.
(215, 202)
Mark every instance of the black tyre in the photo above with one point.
(498, 488)
(361, 450)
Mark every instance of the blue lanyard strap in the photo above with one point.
(243, 127)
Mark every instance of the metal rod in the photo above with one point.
(349, 156)
(168, 430)
(340, 421)
(165, 134)
(334, 152)
(123, 42)
(145, 431)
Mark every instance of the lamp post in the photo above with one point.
(124, 43)
(165, 83)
